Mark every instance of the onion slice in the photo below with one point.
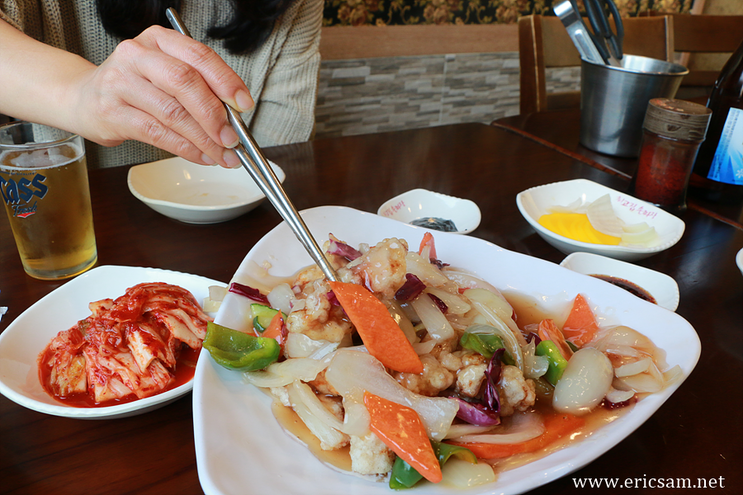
(524, 427)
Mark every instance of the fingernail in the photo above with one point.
(229, 137)
(207, 159)
(244, 101)
(231, 159)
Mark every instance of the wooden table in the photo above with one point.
(697, 433)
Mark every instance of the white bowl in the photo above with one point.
(194, 193)
(739, 260)
(420, 204)
(31, 331)
(663, 288)
(535, 202)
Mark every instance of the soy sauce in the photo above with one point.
(628, 286)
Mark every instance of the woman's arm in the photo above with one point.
(160, 88)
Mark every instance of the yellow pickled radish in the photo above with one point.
(576, 226)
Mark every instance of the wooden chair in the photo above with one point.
(704, 34)
(544, 43)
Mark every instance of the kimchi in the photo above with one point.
(127, 349)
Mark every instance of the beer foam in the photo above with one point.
(38, 158)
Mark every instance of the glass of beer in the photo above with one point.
(44, 185)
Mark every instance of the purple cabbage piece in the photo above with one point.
(607, 404)
(332, 298)
(439, 303)
(438, 263)
(533, 337)
(476, 414)
(249, 292)
(343, 249)
(492, 376)
(411, 289)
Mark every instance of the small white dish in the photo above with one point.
(663, 288)
(739, 260)
(27, 335)
(194, 193)
(421, 204)
(536, 201)
(239, 443)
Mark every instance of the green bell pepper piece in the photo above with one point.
(557, 363)
(444, 451)
(482, 343)
(405, 476)
(240, 351)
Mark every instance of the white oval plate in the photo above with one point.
(534, 202)
(194, 193)
(422, 203)
(240, 445)
(663, 288)
(26, 337)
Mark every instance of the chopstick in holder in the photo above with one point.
(255, 163)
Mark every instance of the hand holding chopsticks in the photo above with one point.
(259, 169)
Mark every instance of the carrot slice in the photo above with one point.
(428, 241)
(380, 333)
(549, 331)
(401, 429)
(274, 328)
(580, 327)
(556, 427)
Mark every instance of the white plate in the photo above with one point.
(739, 260)
(418, 204)
(26, 337)
(534, 202)
(663, 288)
(194, 193)
(241, 447)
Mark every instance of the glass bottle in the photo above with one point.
(718, 171)
(672, 133)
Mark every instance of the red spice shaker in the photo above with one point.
(672, 133)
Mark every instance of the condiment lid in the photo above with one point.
(677, 119)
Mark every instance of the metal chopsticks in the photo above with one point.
(259, 169)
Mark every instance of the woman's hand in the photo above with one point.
(160, 88)
(164, 89)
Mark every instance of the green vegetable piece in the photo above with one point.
(482, 343)
(239, 351)
(444, 451)
(262, 316)
(557, 363)
(405, 476)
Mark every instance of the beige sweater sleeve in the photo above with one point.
(285, 112)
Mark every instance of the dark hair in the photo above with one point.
(250, 25)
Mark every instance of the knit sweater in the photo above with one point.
(281, 74)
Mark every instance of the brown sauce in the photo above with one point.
(290, 421)
(628, 286)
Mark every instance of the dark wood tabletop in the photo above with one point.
(697, 433)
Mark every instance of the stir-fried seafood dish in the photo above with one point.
(127, 349)
(421, 370)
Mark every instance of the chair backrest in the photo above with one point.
(544, 43)
(697, 34)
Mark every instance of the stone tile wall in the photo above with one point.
(382, 94)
